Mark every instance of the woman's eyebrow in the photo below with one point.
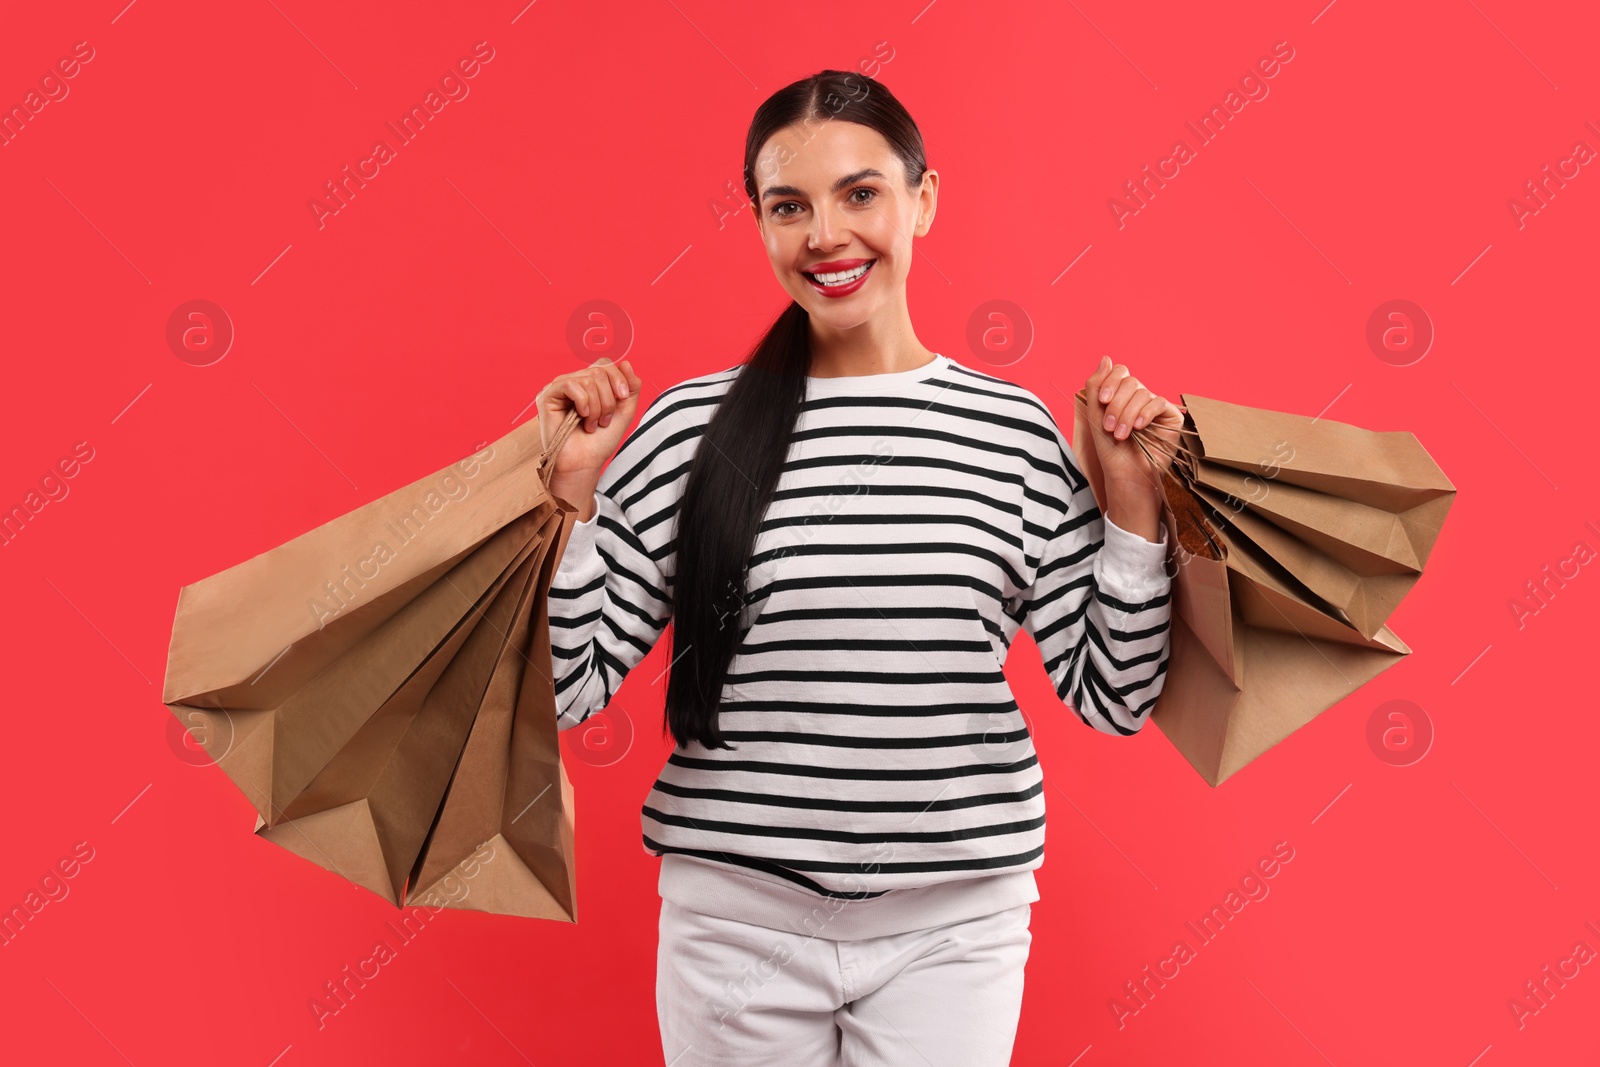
(847, 180)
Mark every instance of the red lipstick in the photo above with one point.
(837, 267)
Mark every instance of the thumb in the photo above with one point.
(1094, 382)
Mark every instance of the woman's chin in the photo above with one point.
(834, 313)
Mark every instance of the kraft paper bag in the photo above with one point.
(1259, 646)
(339, 680)
(511, 766)
(374, 802)
(309, 599)
(1352, 513)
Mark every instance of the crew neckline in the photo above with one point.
(877, 383)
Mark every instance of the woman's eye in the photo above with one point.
(871, 195)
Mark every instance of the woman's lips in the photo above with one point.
(845, 289)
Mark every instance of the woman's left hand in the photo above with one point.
(1119, 404)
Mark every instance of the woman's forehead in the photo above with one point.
(816, 157)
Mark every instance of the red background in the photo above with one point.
(586, 163)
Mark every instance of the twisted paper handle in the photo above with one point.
(548, 456)
(1146, 439)
(1187, 506)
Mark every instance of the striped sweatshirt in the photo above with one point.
(879, 759)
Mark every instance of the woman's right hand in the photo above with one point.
(606, 394)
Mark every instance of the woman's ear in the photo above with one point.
(927, 202)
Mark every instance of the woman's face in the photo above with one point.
(831, 200)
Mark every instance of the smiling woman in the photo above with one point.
(838, 215)
(847, 532)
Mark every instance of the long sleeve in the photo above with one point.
(1100, 611)
(609, 603)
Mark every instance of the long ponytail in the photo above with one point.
(730, 483)
(746, 441)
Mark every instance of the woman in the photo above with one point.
(847, 530)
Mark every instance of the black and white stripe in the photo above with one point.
(915, 529)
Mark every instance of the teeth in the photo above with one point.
(842, 277)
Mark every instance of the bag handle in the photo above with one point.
(1188, 507)
(548, 455)
(1146, 438)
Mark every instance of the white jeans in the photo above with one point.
(732, 993)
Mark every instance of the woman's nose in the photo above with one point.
(824, 231)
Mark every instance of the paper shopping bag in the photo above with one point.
(1352, 513)
(338, 678)
(371, 806)
(504, 836)
(1258, 649)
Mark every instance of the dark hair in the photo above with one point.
(746, 442)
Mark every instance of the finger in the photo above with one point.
(1108, 383)
(1102, 383)
(554, 391)
(607, 378)
(601, 388)
(596, 393)
(634, 382)
(1130, 407)
(578, 390)
(619, 382)
(1127, 388)
(617, 379)
(556, 400)
(1152, 407)
(1122, 408)
(572, 389)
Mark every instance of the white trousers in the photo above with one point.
(732, 993)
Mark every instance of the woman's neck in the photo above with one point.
(863, 350)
